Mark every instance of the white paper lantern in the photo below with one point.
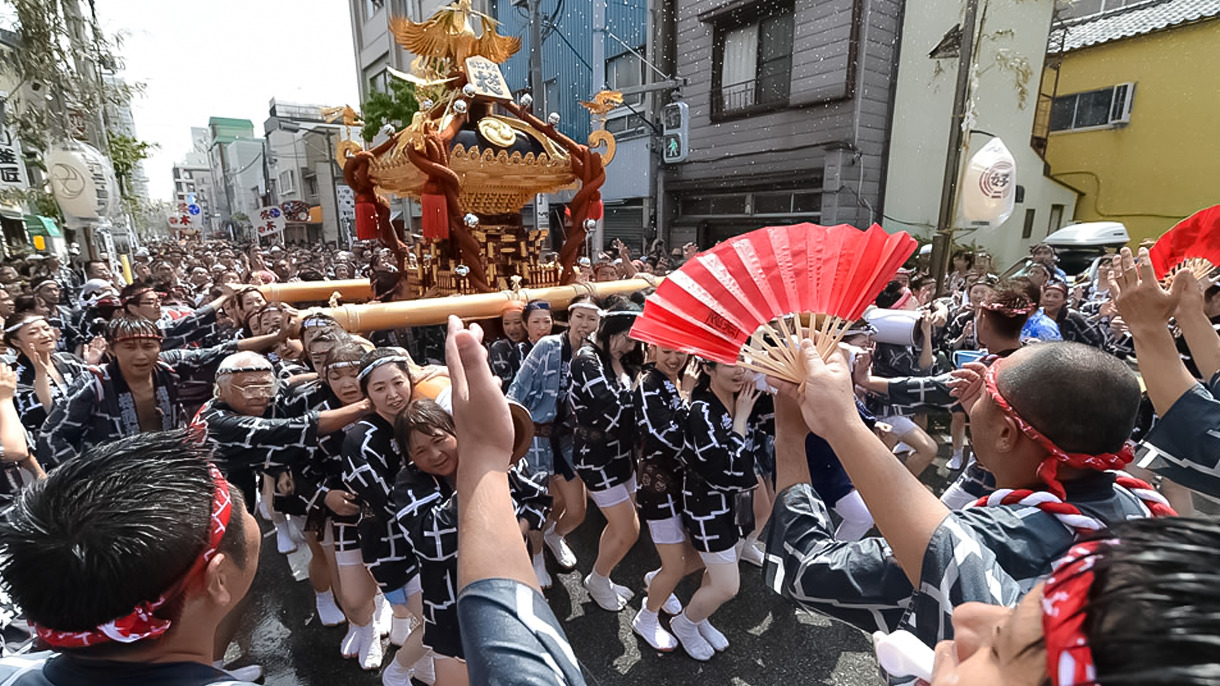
(83, 181)
(989, 186)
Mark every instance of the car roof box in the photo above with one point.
(1089, 234)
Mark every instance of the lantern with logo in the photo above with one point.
(989, 185)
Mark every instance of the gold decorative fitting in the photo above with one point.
(497, 131)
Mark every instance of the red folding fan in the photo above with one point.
(1194, 244)
(752, 294)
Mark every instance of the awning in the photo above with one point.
(12, 213)
(38, 225)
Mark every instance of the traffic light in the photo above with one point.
(675, 127)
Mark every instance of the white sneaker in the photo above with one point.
(383, 615)
(691, 639)
(750, 553)
(263, 508)
(248, 673)
(713, 637)
(648, 627)
(369, 646)
(672, 605)
(283, 538)
(349, 647)
(544, 577)
(623, 592)
(397, 675)
(955, 462)
(564, 557)
(400, 630)
(328, 611)
(603, 593)
(425, 668)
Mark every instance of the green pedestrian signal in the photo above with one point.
(675, 124)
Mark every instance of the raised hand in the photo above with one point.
(8, 383)
(96, 350)
(967, 383)
(827, 398)
(1140, 299)
(482, 423)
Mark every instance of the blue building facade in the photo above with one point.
(570, 75)
(567, 52)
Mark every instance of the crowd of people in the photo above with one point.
(391, 455)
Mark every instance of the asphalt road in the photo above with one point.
(772, 642)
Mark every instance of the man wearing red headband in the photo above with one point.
(1049, 421)
(126, 561)
(197, 328)
(137, 391)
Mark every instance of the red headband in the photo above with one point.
(1009, 310)
(1069, 659)
(142, 622)
(1049, 469)
(906, 295)
(134, 336)
(136, 294)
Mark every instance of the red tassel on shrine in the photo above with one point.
(596, 210)
(366, 221)
(436, 216)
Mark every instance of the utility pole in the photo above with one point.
(536, 86)
(943, 239)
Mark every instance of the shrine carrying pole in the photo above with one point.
(429, 311)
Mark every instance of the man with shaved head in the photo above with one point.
(1050, 421)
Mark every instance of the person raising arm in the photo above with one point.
(1182, 446)
(509, 633)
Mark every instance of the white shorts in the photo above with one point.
(901, 425)
(614, 495)
(667, 531)
(724, 557)
(349, 558)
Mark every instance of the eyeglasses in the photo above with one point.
(256, 391)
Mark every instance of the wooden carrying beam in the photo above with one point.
(311, 291)
(427, 311)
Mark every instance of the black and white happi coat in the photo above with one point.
(662, 418)
(862, 584)
(245, 446)
(99, 406)
(719, 466)
(604, 418)
(195, 329)
(371, 462)
(505, 358)
(428, 512)
(29, 407)
(323, 470)
(1184, 445)
(935, 391)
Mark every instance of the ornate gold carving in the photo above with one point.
(599, 136)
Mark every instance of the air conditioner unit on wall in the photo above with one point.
(1120, 105)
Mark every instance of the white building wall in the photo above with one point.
(922, 109)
